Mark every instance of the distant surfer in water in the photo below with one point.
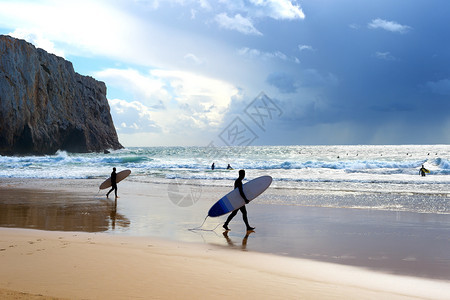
(213, 166)
(113, 183)
(229, 167)
(238, 185)
(422, 171)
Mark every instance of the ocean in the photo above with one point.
(358, 176)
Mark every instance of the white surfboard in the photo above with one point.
(119, 177)
(233, 199)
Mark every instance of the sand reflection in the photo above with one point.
(243, 243)
(61, 211)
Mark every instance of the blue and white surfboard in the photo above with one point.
(233, 199)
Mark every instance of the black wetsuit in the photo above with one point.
(422, 171)
(113, 183)
(238, 185)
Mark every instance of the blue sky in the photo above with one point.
(181, 72)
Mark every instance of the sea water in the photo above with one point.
(379, 177)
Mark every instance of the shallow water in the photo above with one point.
(392, 241)
(334, 171)
(60, 211)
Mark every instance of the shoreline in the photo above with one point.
(346, 252)
(404, 243)
(96, 265)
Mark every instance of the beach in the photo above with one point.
(98, 266)
(62, 239)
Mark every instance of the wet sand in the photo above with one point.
(100, 266)
(320, 242)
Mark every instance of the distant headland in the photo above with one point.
(45, 106)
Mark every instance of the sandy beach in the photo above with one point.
(99, 266)
(61, 239)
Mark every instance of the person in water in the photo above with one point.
(238, 185)
(113, 183)
(422, 171)
(213, 166)
(229, 167)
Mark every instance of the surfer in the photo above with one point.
(113, 183)
(238, 185)
(229, 167)
(213, 166)
(422, 171)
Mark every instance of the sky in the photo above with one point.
(255, 72)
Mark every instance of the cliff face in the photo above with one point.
(45, 106)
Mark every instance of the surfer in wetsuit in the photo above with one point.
(238, 185)
(229, 167)
(213, 166)
(422, 171)
(113, 183)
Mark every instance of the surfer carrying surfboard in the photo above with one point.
(422, 171)
(113, 183)
(238, 185)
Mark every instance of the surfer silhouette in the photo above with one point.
(229, 167)
(422, 171)
(113, 183)
(212, 166)
(238, 185)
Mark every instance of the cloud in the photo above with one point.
(180, 101)
(99, 32)
(37, 40)
(132, 117)
(388, 25)
(256, 9)
(278, 9)
(440, 87)
(305, 48)
(193, 58)
(312, 77)
(193, 14)
(285, 83)
(255, 53)
(384, 55)
(198, 102)
(146, 88)
(238, 23)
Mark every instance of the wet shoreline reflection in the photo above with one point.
(232, 244)
(58, 211)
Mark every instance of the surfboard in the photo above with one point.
(425, 170)
(233, 199)
(119, 177)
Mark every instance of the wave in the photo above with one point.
(65, 158)
(271, 159)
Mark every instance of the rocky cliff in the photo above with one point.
(45, 106)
